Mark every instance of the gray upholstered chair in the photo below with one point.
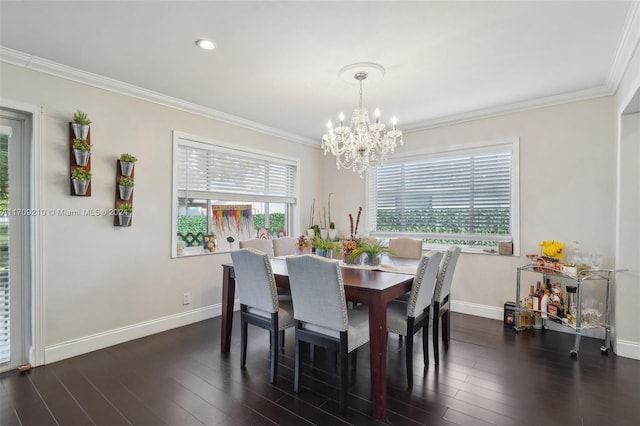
(407, 248)
(262, 244)
(259, 301)
(284, 246)
(441, 299)
(321, 314)
(408, 318)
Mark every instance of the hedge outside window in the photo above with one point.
(228, 193)
(466, 197)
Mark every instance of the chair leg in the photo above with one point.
(274, 352)
(425, 339)
(296, 373)
(408, 347)
(354, 359)
(446, 328)
(282, 338)
(436, 320)
(343, 363)
(312, 352)
(243, 343)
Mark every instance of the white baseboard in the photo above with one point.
(628, 349)
(80, 346)
(478, 310)
(60, 351)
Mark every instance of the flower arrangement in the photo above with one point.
(552, 249)
(303, 242)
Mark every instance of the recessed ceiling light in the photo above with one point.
(205, 44)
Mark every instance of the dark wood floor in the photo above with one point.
(489, 375)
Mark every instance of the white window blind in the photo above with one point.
(463, 197)
(211, 171)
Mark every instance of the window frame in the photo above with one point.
(452, 151)
(181, 139)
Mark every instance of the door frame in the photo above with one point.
(36, 346)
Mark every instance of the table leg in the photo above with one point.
(228, 297)
(378, 350)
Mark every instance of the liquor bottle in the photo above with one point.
(536, 298)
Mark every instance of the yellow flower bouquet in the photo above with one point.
(552, 249)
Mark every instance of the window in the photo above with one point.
(466, 197)
(224, 194)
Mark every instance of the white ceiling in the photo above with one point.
(277, 62)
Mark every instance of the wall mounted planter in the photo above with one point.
(123, 194)
(80, 188)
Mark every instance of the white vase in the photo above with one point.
(333, 233)
(324, 234)
(311, 233)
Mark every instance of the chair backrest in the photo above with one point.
(284, 246)
(317, 291)
(445, 273)
(424, 283)
(407, 248)
(262, 244)
(264, 233)
(254, 279)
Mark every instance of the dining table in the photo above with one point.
(373, 286)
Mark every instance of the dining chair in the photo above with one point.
(259, 302)
(407, 318)
(407, 248)
(321, 315)
(262, 244)
(284, 246)
(441, 299)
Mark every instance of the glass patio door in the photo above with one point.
(15, 299)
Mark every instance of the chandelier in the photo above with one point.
(362, 144)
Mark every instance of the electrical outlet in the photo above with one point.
(186, 298)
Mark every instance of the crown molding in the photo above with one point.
(628, 43)
(46, 66)
(483, 113)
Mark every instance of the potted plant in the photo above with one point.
(126, 164)
(372, 249)
(332, 231)
(126, 187)
(303, 245)
(80, 125)
(81, 152)
(125, 210)
(80, 178)
(324, 248)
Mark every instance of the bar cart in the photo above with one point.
(579, 278)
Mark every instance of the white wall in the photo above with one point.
(567, 189)
(104, 284)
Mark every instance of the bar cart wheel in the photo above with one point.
(573, 353)
(604, 350)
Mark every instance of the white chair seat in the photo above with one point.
(357, 332)
(397, 317)
(285, 313)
